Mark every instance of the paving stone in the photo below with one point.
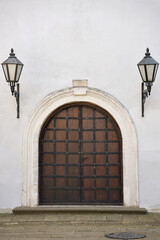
(98, 217)
(20, 218)
(83, 217)
(65, 226)
(67, 217)
(5, 219)
(52, 218)
(36, 218)
(114, 217)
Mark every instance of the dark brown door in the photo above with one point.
(80, 159)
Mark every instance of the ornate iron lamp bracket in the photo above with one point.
(16, 94)
(144, 96)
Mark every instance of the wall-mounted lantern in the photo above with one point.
(148, 69)
(12, 68)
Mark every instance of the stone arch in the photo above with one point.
(66, 96)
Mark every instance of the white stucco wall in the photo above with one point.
(98, 40)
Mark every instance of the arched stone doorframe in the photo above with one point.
(66, 96)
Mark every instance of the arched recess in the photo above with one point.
(67, 96)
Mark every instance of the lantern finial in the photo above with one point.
(12, 54)
(147, 52)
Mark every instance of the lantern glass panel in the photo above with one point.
(142, 71)
(155, 72)
(150, 71)
(19, 69)
(12, 70)
(5, 71)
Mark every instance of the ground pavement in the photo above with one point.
(86, 226)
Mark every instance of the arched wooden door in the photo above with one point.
(80, 157)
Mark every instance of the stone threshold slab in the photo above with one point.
(79, 209)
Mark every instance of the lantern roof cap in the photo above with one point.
(148, 60)
(12, 59)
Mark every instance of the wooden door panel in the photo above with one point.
(87, 112)
(113, 170)
(100, 135)
(73, 147)
(73, 136)
(112, 136)
(110, 125)
(80, 157)
(61, 114)
(101, 195)
(100, 159)
(49, 135)
(73, 171)
(113, 182)
(60, 171)
(114, 195)
(60, 147)
(48, 158)
(73, 159)
(60, 123)
(50, 124)
(47, 195)
(48, 147)
(88, 171)
(73, 124)
(101, 171)
(48, 183)
(87, 124)
(88, 147)
(100, 124)
(60, 182)
(87, 136)
(60, 136)
(60, 158)
(113, 158)
(73, 112)
(100, 147)
(101, 182)
(61, 195)
(48, 170)
(74, 196)
(113, 147)
(74, 182)
(87, 159)
(89, 196)
(89, 183)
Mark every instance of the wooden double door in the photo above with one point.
(80, 157)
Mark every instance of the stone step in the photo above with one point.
(80, 209)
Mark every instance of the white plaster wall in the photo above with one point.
(98, 40)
